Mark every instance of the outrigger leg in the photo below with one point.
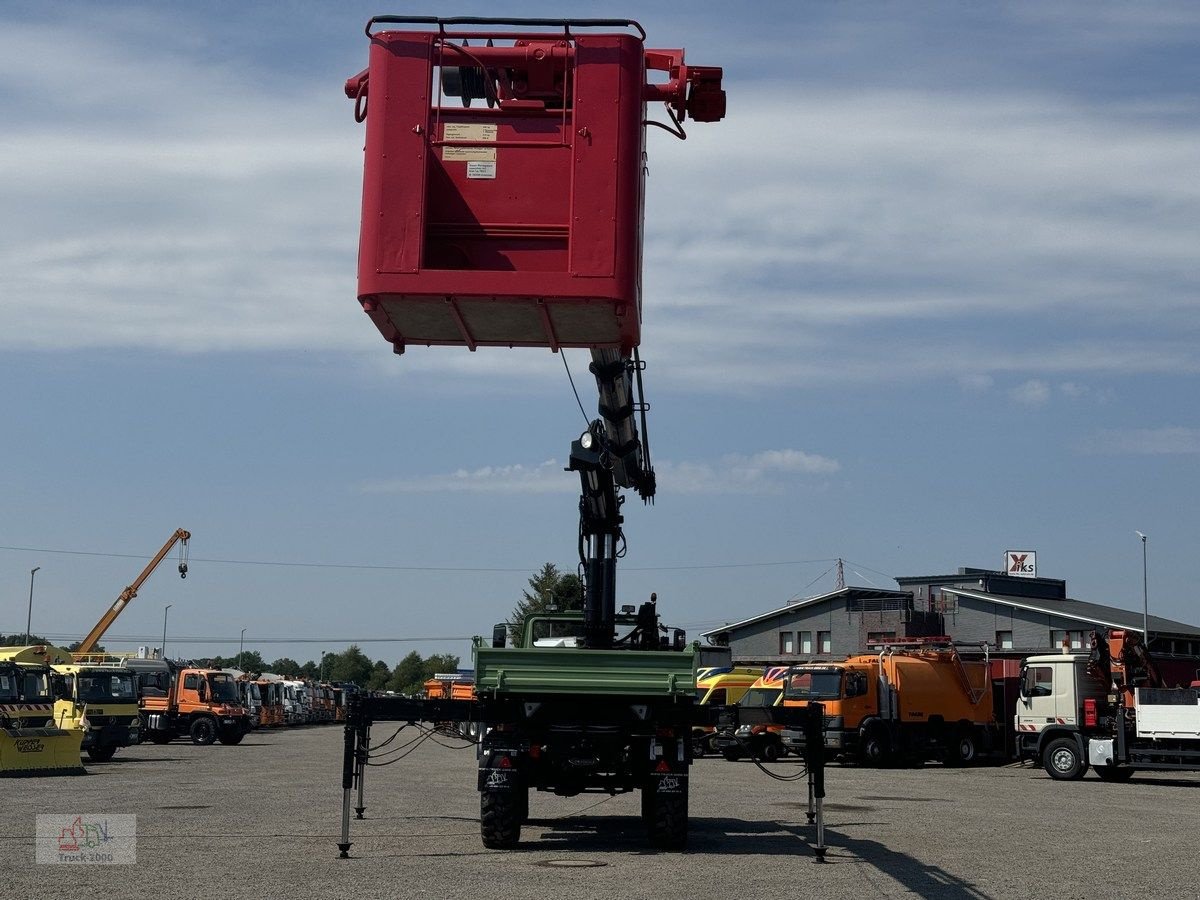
(814, 759)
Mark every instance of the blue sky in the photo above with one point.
(930, 292)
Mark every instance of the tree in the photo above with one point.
(248, 661)
(285, 666)
(350, 665)
(18, 640)
(547, 588)
(310, 670)
(380, 676)
(408, 674)
(440, 663)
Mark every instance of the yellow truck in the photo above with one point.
(31, 742)
(98, 694)
(719, 686)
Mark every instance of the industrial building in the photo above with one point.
(1014, 616)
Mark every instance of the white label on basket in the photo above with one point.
(469, 154)
(481, 169)
(464, 131)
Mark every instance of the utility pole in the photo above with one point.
(162, 652)
(29, 618)
(241, 643)
(1145, 596)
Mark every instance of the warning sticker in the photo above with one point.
(469, 131)
(481, 169)
(469, 154)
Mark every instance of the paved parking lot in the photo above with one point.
(261, 820)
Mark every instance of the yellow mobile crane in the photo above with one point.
(88, 644)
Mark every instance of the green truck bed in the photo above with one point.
(571, 670)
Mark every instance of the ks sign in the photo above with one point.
(1021, 562)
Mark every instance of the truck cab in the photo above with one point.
(203, 704)
(32, 741)
(101, 696)
(762, 741)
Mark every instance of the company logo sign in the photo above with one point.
(87, 839)
(1022, 563)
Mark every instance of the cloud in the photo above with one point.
(866, 236)
(1032, 393)
(1146, 441)
(766, 471)
(545, 478)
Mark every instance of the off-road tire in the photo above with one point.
(203, 731)
(102, 754)
(500, 816)
(668, 818)
(1062, 761)
(733, 754)
(770, 751)
(231, 736)
(1113, 774)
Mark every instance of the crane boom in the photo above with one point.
(89, 643)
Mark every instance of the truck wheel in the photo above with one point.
(500, 819)
(964, 751)
(1062, 760)
(668, 818)
(102, 754)
(203, 731)
(733, 754)
(770, 751)
(1114, 773)
(231, 736)
(873, 748)
(160, 737)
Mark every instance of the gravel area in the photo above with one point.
(261, 820)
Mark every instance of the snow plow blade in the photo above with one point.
(31, 752)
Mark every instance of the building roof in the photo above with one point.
(857, 593)
(1090, 613)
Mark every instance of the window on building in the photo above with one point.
(1004, 640)
(824, 642)
(1072, 639)
(787, 643)
(880, 637)
(806, 643)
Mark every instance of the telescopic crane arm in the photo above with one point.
(610, 455)
(89, 643)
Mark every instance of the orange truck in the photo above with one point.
(910, 702)
(203, 704)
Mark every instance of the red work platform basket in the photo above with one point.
(503, 178)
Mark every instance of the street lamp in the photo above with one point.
(162, 653)
(241, 643)
(324, 653)
(29, 618)
(1145, 595)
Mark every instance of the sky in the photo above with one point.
(927, 294)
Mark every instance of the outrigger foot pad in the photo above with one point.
(344, 851)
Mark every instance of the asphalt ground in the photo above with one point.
(261, 820)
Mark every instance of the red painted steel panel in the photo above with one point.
(516, 222)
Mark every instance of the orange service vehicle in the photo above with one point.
(203, 704)
(912, 701)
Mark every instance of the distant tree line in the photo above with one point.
(350, 665)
